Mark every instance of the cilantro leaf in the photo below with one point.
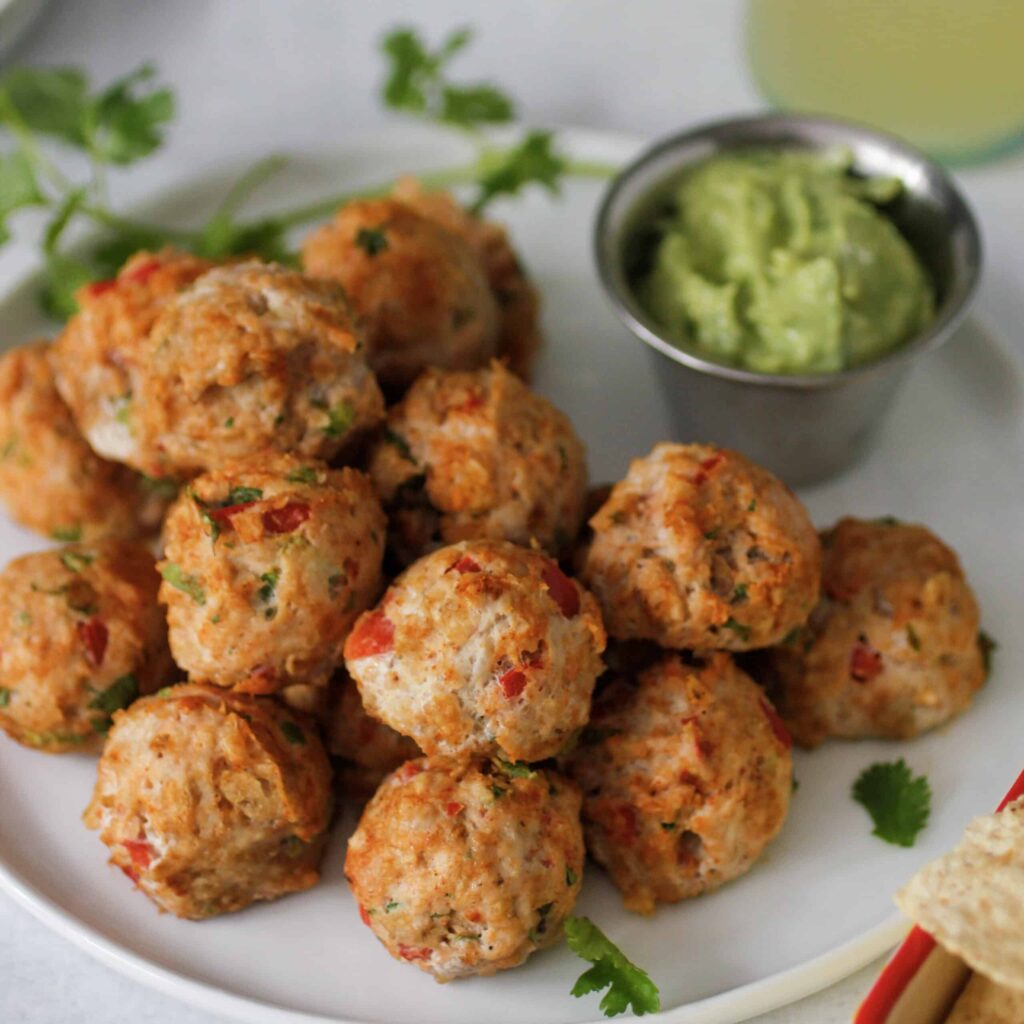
(293, 734)
(372, 240)
(416, 83)
(628, 986)
(899, 802)
(183, 581)
(62, 277)
(507, 172)
(475, 104)
(18, 188)
(119, 694)
(126, 121)
(51, 101)
(515, 769)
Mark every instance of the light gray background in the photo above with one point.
(261, 75)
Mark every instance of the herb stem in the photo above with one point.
(251, 180)
(109, 219)
(444, 178)
(26, 141)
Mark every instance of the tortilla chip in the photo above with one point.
(971, 900)
(985, 1002)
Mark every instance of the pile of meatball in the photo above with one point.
(376, 582)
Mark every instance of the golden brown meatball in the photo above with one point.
(268, 563)
(419, 288)
(519, 337)
(97, 355)
(476, 454)
(209, 800)
(81, 635)
(893, 647)
(699, 548)
(480, 648)
(369, 749)
(253, 357)
(50, 479)
(465, 870)
(686, 776)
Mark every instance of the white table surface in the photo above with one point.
(256, 75)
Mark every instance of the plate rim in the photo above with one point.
(776, 990)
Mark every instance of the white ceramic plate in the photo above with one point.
(815, 908)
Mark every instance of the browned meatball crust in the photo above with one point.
(686, 775)
(81, 635)
(419, 288)
(98, 354)
(268, 563)
(892, 649)
(698, 548)
(476, 454)
(520, 337)
(253, 357)
(369, 749)
(50, 479)
(481, 648)
(210, 800)
(463, 869)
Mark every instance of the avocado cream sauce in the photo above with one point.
(782, 262)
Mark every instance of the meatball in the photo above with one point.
(699, 548)
(209, 800)
(480, 648)
(463, 869)
(50, 479)
(686, 775)
(253, 356)
(267, 564)
(369, 749)
(97, 355)
(893, 648)
(419, 288)
(81, 635)
(475, 454)
(519, 333)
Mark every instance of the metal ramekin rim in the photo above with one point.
(949, 316)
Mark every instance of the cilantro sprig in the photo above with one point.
(629, 986)
(898, 801)
(46, 111)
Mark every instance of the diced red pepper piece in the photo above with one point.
(286, 519)
(414, 952)
(625, 826)
(707, 467)
(512, 683)
(140, 852)
(222, 516)
(409, 770)
(463, 565)
(93, 636)
(777, 724)
(142, 273)
(130, 872)
(562, 590)
(865, 662)
(453, 808)
(374, 634)
(474, 401)
(364, 916)
(99, 287)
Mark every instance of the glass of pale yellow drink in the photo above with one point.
(946, 74)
